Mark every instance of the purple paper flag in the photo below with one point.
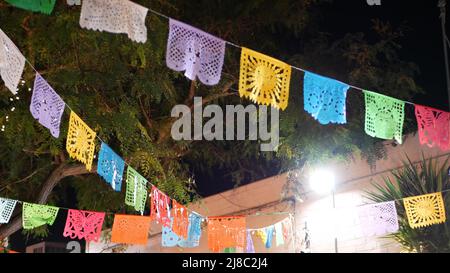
(46, 106)
(250, 247)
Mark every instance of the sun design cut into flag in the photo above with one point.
(80, 141)
(264, 80)
(425, 210)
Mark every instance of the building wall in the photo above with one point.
(324, 223)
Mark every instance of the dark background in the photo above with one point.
(422, 45)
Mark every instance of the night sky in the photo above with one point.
(422, 44)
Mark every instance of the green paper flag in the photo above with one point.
(384, 116)
(44, 6)
(136, 193)
(38, 215)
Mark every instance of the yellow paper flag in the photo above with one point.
(80, 141)
(264, 80)
(425, 210)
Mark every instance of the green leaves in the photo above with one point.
(415, 179)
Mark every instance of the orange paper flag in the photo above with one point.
(225, 232)
(130, 229)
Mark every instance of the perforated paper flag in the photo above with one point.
(250, 248)
(279, 236)
(80, 141)
(12, 63)
(111, 167)
(35, 215)
(196, 52)
(44, 6)
(130, 229)
(159, 207)
(425, 210)
(115, 16)
(169, 238)
(180, 220)
(226, 232)
(384, 116)
(136, 194)
(194, 232)
(378, 219)
(434, 127)
(6, 209)
(84, 225)
(264, 80)
(73, 2)
(46, 105)
(325, 99)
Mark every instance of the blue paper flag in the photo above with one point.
(194, 232)
(111, 167)
(325, 99)
(269, 232)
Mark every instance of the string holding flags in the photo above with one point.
(115, 16)
(196, 52)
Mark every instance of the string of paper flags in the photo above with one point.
(263, 80)
(47, 107)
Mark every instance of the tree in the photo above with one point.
(125, 92)
(428, 176)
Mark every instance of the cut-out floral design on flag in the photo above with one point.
(84, 225)
(196, 52)
(12, 63)
(425, 210)
(180, 220)
(111, 167)
(384, 116)
(378, 219)
(115, 16)
(434, 127)
(43, 6)
(226, 232)
(136, 193)
(194, 232)
(264, 80)
(250, 247)
(325, 99)
(130, 229)
(34, 215)
(80, 141)
(160, 207)
(169, 238)
(46, 105)
(6, 209)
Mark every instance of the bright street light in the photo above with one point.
(322, 181)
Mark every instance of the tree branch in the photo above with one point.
(61, 172)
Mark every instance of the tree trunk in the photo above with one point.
(57, 175)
